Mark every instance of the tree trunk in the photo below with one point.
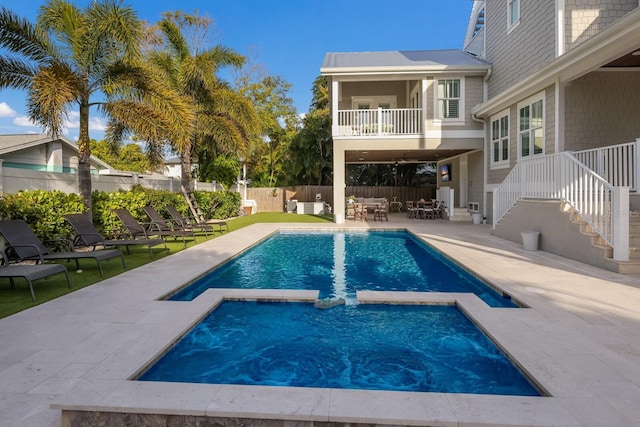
(84, 155)
(185, 168)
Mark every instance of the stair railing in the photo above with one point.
(563, 177)
(618, 164)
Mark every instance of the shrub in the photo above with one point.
(44, 210)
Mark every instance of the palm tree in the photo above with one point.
(79, 58)
(223, 121)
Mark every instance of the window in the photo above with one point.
(500, 139)
(513, 13)
(449, 99)
(530, 127)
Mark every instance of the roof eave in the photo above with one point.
(350, 71)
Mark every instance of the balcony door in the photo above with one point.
(368, 110)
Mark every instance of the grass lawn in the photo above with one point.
(19, 298)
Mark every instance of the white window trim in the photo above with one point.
(511, 26)
(528, 102)
(392, 100)
(500, 164)
(460, 121)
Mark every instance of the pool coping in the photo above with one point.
(297, 404)
(579, 339)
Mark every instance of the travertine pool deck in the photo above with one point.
(579, 339)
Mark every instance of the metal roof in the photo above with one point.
(400, 60)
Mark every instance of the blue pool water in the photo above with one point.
(380, 347)
(338, 264)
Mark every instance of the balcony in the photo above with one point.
(379, 122)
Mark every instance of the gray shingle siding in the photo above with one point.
(525, 49)
(594, 115)
(586, 18)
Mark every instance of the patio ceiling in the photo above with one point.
(400, 156)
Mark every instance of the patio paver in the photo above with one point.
(580, 339)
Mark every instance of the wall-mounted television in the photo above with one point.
(445, 172)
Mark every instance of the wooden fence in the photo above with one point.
(274, 199)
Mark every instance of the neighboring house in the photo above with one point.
(553, 86)
(41, 152)
(173, 167)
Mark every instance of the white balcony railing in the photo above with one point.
(618, 164)
(563, 177)
(379, 122)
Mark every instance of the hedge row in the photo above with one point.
(44, 210)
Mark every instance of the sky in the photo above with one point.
(288, 38)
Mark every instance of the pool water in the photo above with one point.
(340, 263)
(378, 347)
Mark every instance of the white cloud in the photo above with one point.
(6, 111)
(24, 121)
(95, 124)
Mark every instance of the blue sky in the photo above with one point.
(288, 38)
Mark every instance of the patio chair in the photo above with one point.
(190, 222)
(26, 245)
(167, 226)
(381, 212)
(142, 230)
(86, 234)
(30, 272)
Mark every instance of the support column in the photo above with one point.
(339, 184)
(335, 99)
(423, 101)
(620, 222)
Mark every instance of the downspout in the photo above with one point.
(475, 118)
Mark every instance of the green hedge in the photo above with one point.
(44, 210)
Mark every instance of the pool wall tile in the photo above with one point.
(391, 408)
(310, 404)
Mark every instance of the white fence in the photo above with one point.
(618, 164)
(13, 180)
(379, 122)
(561, 176)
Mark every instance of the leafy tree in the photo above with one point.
(80, 58)
(222, 168)
(311, 155)
(278, 123)
(223, 121)
(128, 157)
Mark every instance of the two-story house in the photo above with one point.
(536, 118)
(562, 113)
(407, 106)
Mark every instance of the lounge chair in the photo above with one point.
(190, 222)
(167, 226)
(30, 272)
(26, 245)
(86, 234)
(140, 230)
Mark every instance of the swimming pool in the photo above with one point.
(338, 264)
(369, 346)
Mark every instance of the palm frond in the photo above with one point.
(15, 73)
(61, 19)
(19, 36)
(175, 40)
(52, 89)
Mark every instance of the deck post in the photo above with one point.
(494, 208)
(636, 166)
(620, 223)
